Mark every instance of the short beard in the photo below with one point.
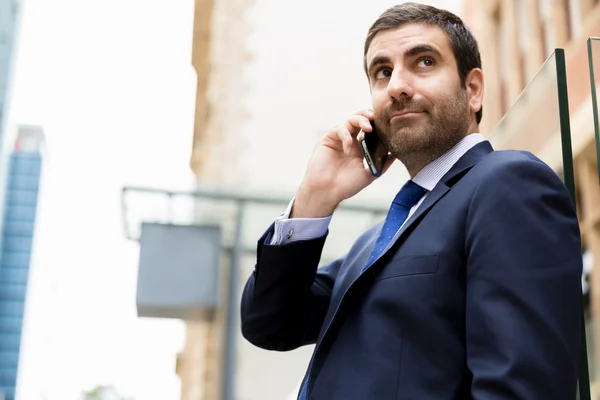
(428, 140)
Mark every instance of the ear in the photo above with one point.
(474, 86)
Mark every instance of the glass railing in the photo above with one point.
(594, 62)
(590, 228)
(539, 122)
(534, 121)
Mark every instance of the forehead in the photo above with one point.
(398, 40)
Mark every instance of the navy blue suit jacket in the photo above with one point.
(478, 297)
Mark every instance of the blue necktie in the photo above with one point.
(407, 197)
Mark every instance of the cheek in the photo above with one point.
(436, 91)
(379, 102)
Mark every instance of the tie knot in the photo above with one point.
(409, 195)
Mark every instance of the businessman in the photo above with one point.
(470, 288)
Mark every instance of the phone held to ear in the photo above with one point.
(374, 152)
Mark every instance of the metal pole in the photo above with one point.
(232, 302)
(569, 177)
(170, 212)
(124, 216)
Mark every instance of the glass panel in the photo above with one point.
(538, 135)
(9, 359)
(593, 233)
(10, 275)
(539, 122)
(12, 308)
(13, 292)
(11, 324)
(594, 59)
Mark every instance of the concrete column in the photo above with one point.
(489, 48)
(213, 361)
(535, 52)
(560, 23)
(586, 6)
(513, 77)
(201, 61)
(191, 365)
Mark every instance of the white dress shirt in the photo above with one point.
(289, 230)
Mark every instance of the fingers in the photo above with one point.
(346, 138)
(368, 113)
(358, 122)
(348, 132)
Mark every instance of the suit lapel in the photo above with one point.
(460, 168)
(433, 197)
(350, 275)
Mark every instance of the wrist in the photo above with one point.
(312, 204)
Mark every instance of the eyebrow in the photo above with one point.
(415, 51)
(377, 60)
(425, 48)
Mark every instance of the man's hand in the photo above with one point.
(336, 170)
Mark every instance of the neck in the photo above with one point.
(415, 162)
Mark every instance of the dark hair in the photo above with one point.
(463, 43)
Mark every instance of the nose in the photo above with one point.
(400, 85)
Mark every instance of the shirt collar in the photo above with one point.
(432, 173)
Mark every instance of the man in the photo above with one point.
(470, 289)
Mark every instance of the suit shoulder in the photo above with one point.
(514, 163)
(511, 169)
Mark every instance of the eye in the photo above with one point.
(383, 73)
(425, 62)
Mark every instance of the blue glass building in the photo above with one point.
(16, 189)
(15, 253)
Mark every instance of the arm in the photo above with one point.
(523, 285)
(285, 299)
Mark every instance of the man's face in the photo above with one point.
(421, 109)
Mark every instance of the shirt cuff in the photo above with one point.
(291, 230)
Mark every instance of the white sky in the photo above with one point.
(112, 84)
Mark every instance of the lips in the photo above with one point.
(404, 114)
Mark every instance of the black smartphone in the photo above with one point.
(374, 152)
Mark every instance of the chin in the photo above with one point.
(409, 133)
(408, 140)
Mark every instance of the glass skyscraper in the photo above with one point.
(12, 279)
(19, 176)
(15, 254)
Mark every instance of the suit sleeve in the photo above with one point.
(285, 299)
(523, 282)
(288, 230)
